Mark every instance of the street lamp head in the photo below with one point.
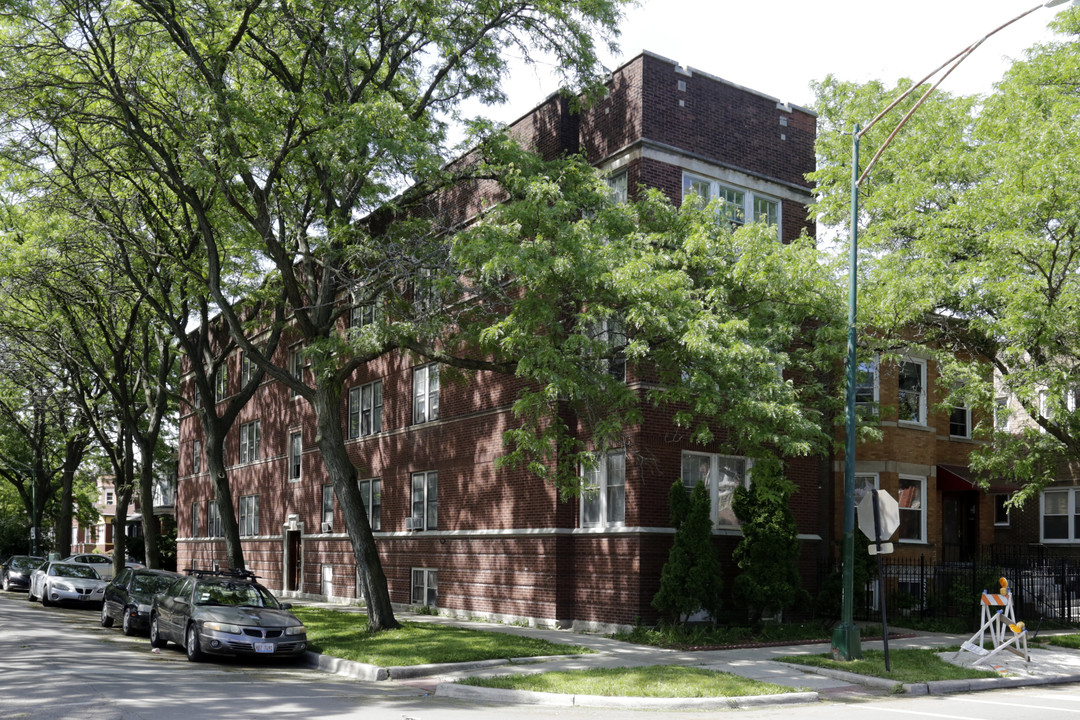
(1055, 3)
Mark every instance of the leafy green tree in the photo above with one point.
(690, 581)
(971, 222)
(769, 581)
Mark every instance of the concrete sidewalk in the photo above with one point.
(758, 663)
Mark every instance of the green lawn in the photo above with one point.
(1066, 641)
(662, 681)
(344, 634)
(908, 666)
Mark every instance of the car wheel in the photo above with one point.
(156, 640)
(194, 652)
(30, 593)
(106, 621)
(45, 601)
(7, 584)
(127, 626)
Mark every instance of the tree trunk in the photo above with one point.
(150, 528)
(215, 464)
(339, 468)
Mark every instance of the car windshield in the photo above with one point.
(75, 571)
(25, 563)
(152, 584)
(233, 593)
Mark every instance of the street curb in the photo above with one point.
(853, 678)
(530, 697)
(348, 668)
(405, 672)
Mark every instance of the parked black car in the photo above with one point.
(129, 596)
(225, 613)
(16, 571)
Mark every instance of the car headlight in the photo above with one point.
(66, 587)
(222, 627)
(144, 609)
(296, 630)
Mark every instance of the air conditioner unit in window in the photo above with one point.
(414, 523)
(327, 527)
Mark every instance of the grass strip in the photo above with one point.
(908, 666)
(655, 681)
(344, 634)
(679, 637)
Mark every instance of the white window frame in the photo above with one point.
(425, 292)
(327, 504)
(425, 393)
(296, 455)
(964, 412)
(424, 587)
(221, 382)
(248, 515)
(1071, 507)
(922, 510)
(921, 420)
(196, 457)
(739, 202)
(249, 442)
(424, 505)
(296, 365)
(247, 369)
(721, 511)
(110, 497)
(618, 183)
(195, 518)
(868, 394)
(611, 331)
(371, 492)
(364, 314)
(365, 409)
(214, 527)
(1001, 413)
(603, 491)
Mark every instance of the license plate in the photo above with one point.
(84, 597)
(264, 647)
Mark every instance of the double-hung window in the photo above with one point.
(911, 497)
(1001, 510)
(296, 455)
(603, 491)
(365, 409)
(1060, 516)
(959, 418)
(221, 383)
(617, 183)
(249, 515)
(296, 365)
(612, 334)
(426, 296)
(425, 587)
(249, 442)
(196, 457)
(911, 392)
(425, 500)
(363, 314)
(327, 507)
(195, 519)
(371, 492)
(721, 475)
(213, 520)
(737, 204)
(866, 388)
(247, 369)
(425, 393)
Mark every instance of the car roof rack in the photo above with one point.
(206, 572)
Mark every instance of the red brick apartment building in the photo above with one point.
(453, 531)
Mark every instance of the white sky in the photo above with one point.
(778, 47)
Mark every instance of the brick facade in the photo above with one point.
(505, 545)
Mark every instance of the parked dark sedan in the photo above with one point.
(130, 595)
(16, 571)
(225, 613)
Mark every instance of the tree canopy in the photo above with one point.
(970, 223)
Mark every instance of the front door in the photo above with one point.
(293, 560)
(960, 525)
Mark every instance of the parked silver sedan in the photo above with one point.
(59, 581)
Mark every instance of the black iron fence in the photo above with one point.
(1045, 586)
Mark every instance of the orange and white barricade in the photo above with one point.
(999, 622)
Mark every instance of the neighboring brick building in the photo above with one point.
(451, 529)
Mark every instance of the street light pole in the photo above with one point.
(845, 642)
